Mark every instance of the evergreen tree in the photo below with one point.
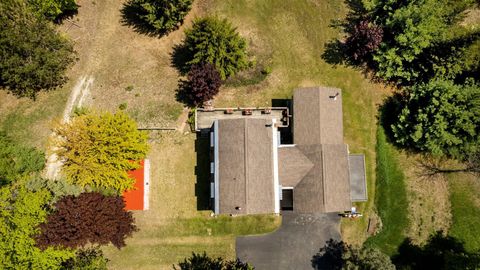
(216, 41)
(158, 16)
(33, 55)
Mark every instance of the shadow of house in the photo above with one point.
(202, 171)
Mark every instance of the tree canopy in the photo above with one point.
(17, 160)
(202, 261)
(340, 256)
(202, 85)
(99, 150)
(441, 118)
(21, 211)
(407, 42)
(89, 218)
(52, 9)
(34, 56)
(216, 41)
(156, 16)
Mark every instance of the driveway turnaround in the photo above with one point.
(293, 245)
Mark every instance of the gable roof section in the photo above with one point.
(293, 166)
(318, 117)
(245, 149)
(336, 178)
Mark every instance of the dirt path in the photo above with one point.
(76, 99)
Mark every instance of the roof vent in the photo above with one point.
(334, 97)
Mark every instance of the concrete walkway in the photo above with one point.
(293, 245)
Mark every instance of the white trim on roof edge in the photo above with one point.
(146, 184)
(216, 177)
(276, 184)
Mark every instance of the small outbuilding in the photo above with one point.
(137, 198)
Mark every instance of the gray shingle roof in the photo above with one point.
(246, 166)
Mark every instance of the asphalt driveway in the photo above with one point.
(293, 245)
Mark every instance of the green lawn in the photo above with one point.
(391, 199)
(464, 191)
(175, 225)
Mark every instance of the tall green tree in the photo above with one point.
(99, 149)
(156, 16)
(21, 211)
(441, 118)
(411, 30)
(216, 41)
(33, 55)
(17, 160)
(407, 42)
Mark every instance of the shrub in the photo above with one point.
(158, 16)
(203, 261)
(34, 56)
(98, 150)
(216, 41)
(441, 118)
(89, 218)
(203, 84)
(52, 9)
(17, 160)
(87, 259)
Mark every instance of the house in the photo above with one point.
(253, 172)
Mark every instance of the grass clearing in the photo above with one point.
(465, 209)
(391, 198)
(174, 227)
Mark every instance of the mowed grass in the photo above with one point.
(290, 36)
(465, 203)
(174, 227)
(391, 199)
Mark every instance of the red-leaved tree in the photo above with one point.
(203, 83)
(89, 218)
(363, 38)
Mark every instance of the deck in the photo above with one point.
(204, 118)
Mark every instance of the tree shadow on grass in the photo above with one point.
(180, 57)
(440, 252)
(182, 94)
(131, 13)
(389, 112)
(334, 53)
